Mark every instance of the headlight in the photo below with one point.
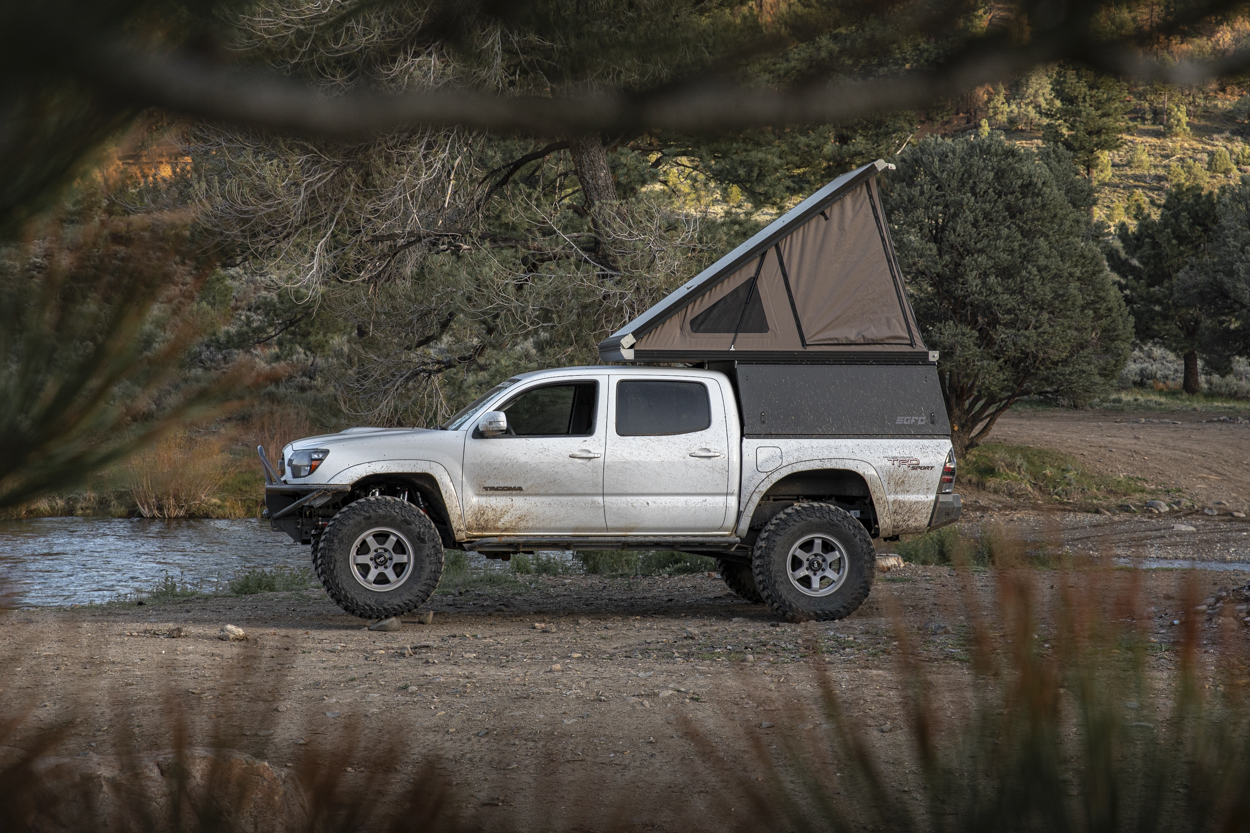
(304, 463)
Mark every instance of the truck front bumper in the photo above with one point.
(946, 510)
(288, 508)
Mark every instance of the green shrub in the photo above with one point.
(551, 565)
(1188, 174)
(521, 565)
(460, 576)
(675, 564)
(610, 562)
(1221, 163)
(1139, 159)
(942, 546)
(1022, 471)
(277, 580)
(455, 564)
(1177, 121)
(635, 563)
(167, 589)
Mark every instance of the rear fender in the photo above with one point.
(860, 467)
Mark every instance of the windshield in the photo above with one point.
(465, 414)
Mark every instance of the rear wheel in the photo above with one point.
(814, 561)
(738, 577)
(379, 557)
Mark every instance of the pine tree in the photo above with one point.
(1216, 283)
(1091, 116)
(1151, 259)
(1007, 281)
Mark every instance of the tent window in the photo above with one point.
(724, 315)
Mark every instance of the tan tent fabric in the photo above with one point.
(675, 333)
(841, 279)
(828, 286)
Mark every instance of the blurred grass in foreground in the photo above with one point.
(1067, 718)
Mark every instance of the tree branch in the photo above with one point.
(183, 82)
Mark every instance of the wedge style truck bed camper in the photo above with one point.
(809, 420)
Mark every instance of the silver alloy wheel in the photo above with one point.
(817, 565)
(381, 559)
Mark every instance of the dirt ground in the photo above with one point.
(1204, 454)
(555, 700)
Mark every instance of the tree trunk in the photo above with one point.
(590, 161)
(1192, 383)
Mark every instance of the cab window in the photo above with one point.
(554, 411)
(659, 408)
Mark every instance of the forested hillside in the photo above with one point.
(389, 280)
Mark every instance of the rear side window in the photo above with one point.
(653, 408)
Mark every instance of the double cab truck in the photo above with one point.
(798, 417)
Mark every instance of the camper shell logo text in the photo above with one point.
(910, 420)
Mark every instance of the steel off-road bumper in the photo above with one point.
(946, 510)
(288, 507)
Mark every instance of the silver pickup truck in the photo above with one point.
(806, 417)
(595, 458)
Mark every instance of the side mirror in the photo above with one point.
(493, 423)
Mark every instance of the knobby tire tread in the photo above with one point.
(385, 509)
(738, 578)
(778, 527)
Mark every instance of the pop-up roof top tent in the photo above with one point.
(819, 284)
(811, 318)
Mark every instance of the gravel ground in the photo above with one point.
(559, 695)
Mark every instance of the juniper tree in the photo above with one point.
(1006, 277)
(1151, 258)
(1216, 282)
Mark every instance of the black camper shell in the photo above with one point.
(811, 320)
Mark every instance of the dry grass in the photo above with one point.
(274, 428)
(1068, 726)
(179, 476)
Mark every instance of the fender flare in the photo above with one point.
(455, 513)
(864, 469)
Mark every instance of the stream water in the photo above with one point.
(63, 561)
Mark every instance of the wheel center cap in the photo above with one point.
(381, 557)
(816, 564)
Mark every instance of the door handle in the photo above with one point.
(585, 454)
(706, 452)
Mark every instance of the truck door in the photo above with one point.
(667, 468)
(545, 475)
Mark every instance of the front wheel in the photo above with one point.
(814, 561)
(379, 557)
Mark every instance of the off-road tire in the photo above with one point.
(332, 557)
(738, 577)
(769, 563)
